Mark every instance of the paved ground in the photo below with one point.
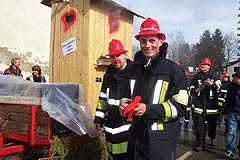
(186, 140)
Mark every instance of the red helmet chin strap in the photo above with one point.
(115, 60)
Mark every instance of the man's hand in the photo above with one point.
(121, 108)
(140, 110)
(208, 82)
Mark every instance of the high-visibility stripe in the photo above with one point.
(107, 93)
(196, 111)
(157, 90)
(157, 126)
(100, 114)
(163, 92)
(220, 104)
(167, 109)
(181, 97)
(154, 127)
(117, 130)
(210, 93)
(218, 84)
(101, 105)
(221, 99)
(132, 84)
(209, 111)
(118, 148)
(212, 110)
(160, 126)
(223, 91)
(173, 109)
(103, 95)
(114, 102)
(191, 87)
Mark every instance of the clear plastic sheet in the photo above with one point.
(63, 102)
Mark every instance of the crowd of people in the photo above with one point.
(167, 94)
(14, 70)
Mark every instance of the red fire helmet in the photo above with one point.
(186, 74)
(225, 74)
(115, 47)
(178, 63)
(206, 61)
(150, 27)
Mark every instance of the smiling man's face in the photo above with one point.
(149, 45)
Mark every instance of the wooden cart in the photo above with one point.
(23, 127)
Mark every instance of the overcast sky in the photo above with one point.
(192, 17)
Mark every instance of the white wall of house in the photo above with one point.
(25, 27)
(231, 68)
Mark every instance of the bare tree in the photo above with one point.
(176, 41)
(231, 48)
(179, 50)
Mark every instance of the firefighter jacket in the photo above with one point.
(222, 93)
(233, 95)
(115, 86)
(163, 87)
(206, 100)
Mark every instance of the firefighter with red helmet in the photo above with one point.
(205, 85)
(162, 85)
(222, 98)
(114, 87)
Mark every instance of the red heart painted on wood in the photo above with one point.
(69, 18)
(113, 24)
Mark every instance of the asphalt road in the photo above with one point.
(186, 141)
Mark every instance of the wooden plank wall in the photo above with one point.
(100, 38)
(17, 120)
(92, 35)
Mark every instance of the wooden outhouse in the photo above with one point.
(80, 33)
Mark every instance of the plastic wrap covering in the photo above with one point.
(16, 90)
(63, 102)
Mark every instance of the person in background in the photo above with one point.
(14, 69)
(162, 85)
(222, 98)
(1, 72)
(232, 109)
(186, 118)
(114, 87)
(205, 84)
(189, 107)
(36, 75)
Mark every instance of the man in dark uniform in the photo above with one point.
(114, 87)
(163, 87)
(206, 85)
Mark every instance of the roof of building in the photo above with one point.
(50, 2)
(234, 62)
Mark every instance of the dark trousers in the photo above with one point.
(212, 125)
(162, 149)
(199, 124)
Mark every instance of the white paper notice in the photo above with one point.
(69, 46)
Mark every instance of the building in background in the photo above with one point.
(24, 33)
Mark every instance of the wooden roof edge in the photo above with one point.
(50, 2)
(120, 6)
